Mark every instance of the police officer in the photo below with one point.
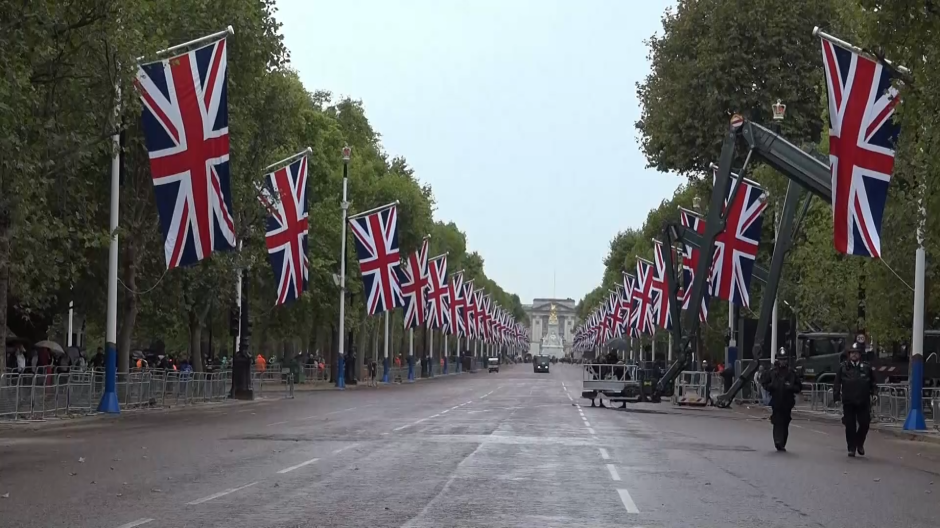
(782, 384)
(854, 386)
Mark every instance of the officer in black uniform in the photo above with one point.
(854, 386)
(782, 383)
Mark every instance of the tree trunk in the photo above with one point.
(129, 314)
(195, 341)
(4, 282)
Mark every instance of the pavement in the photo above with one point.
(503, 450)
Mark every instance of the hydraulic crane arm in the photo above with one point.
(804, 172)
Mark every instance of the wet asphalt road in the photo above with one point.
(485, 450)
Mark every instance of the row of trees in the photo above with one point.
(61, 62)
(717, 57)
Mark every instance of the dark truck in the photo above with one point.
(820, 353)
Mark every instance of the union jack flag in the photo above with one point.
(690, 257)
(661, 304)
(862, 135)
(470, 309)
(413, 278)
(185, 123)
(736, 246)
(641, 317)
(617, 312)
(626, 304)
(376, 236)
(284, 195)
(486, 318)
(455, 322)
(437, 309)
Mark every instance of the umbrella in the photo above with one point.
(51, 345)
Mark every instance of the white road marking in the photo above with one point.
(595, 438)
(627, 501)
(487, 394)
(220, 494)
(563, 384)
(138, 522)
(340, 450)
(435, 415)
(570, 398)
(604, 453)
(298, 466)
(445, 411)
(587, 423)
(613, 472)
(590, 430)
(315, 416)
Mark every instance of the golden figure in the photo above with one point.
(553, 316)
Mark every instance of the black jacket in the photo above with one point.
(783, 386)
(854, 384)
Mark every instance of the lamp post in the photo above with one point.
(344, 205)
(780, 112)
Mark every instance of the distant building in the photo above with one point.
(540, 312)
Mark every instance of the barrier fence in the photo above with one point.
(48, 394)
(892, 404)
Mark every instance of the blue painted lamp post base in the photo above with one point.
(109, 400)
(341, 372)
(385, 370)
(915, 417)
(411, 369)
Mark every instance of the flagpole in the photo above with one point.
(344, 205)
(411, 355)
(459, 360)
(444, 356)
(430, 353)
(109, 401)
(385, 365)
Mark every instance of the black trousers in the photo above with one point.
(780, 417)
(856, 418)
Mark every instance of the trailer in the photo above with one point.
(616, 382)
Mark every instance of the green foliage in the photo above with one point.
(61, 61)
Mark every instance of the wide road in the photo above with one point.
(512, 449)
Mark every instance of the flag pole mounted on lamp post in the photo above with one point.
(109, 400)
(780, 112)
(344, 205)
(915, 417)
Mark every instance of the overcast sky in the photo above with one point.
(519, 113)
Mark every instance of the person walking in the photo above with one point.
(783, 385)
(854, 386)
(373, 372)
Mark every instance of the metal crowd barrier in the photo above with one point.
(48, 394)
(891, 405)
(691, 388)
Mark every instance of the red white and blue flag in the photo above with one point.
(641, 317)
(690, 258)
(284, 195)
(438, 306)
(470, 309)
(660, 305)
(455, 321)
(185, 124)
(862, 136)
(617, 312)
(626, 305)
(376, 236)
(413, 279)
(736, 246)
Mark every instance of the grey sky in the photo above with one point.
(519, 113)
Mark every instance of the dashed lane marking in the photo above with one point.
(627, 501)
(613, 472)
(344, 448)
(604, 453)
(220, 494)
(138, 522)
(590, 430)
(587, 423)
(409, 425)
(298, 466)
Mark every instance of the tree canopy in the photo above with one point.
(716, 57)
(61, 63)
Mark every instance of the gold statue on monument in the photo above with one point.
(553, 316)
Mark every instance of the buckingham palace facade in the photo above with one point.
(539, 312)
